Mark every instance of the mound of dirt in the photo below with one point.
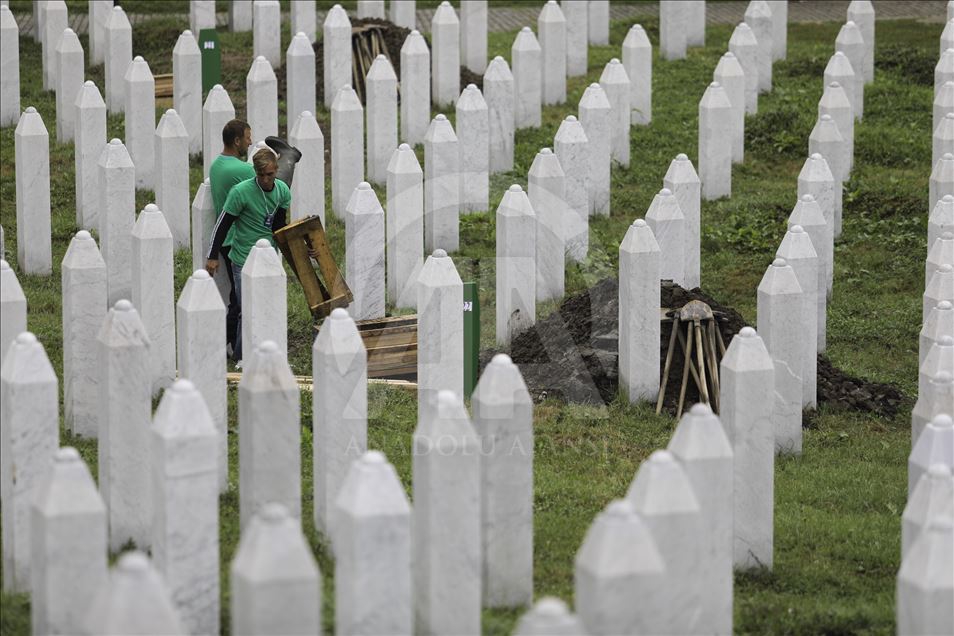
(572, 354)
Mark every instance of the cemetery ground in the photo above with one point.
(837, 507)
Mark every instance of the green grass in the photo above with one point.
(838, 506)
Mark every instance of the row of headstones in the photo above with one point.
(925, 582)
(172, 503)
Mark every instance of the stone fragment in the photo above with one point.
(933, 498)
(441, 186)
(403, 13)
(662, 495)
(925, 589)
(826, 140)
(503, 421)
(264, 299)
(261, 89)
(185, 495)
(862, 13)
(638, 60)
(440, 357)
(9, 68)
(70, 67)
(266, 31)
(746, 376)
(13, 308)
(571, 147)
(172, 176)
(702, 448)
(216, 112)
(117, 59)
(551, 25)
(117, 215)
(717, 135)
(473, 133)
(339, 418)
(618, 561)
(731, 77)
(125, 393)
(807, 214)
(415, 86)
(68, 545)
(152, 292)
(405, 226)
(797, 250)
(942, 140)
(347, 147)
(29, 435)
(758, 16)
(274, 579)
(446, 532)
(336, 59)
(364, 253)
(681, 179)
(304, 20)
(780, 313)
(308, 190)
(84, 309)
(499, 95)
(835, 102)
(745, 47)
(516, 265)
(595, 114)
(547, 192)
(445, 55)
(473, 35)
(852, 44)
(269, 435)
(666, 220)
(89, 139)
(673, 19)
(34, 226)
(549, 617)
(941, 185)
(135, 600)
(575, 12)
(373, 553)
(615, 83)
(299, 73)
(381, 101)
(639, 299)
(598, 22)
(528, 79)
(187, 87)
(200, 349)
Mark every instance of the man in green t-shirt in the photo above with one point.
(253, 210)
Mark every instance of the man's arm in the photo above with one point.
(219, 232)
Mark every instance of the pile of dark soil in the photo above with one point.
(394, 37)
(572, 354)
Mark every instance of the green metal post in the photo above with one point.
(211, 59)
(471, 337)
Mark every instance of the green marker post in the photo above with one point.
(211, 59)
(471, 337)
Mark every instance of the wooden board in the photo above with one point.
(163, 85)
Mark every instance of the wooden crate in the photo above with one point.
(392, 346)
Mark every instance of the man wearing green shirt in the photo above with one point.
(228, 169)
(253, 210)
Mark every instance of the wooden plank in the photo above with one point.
(390, 321)
(164, 85)
(405, 336)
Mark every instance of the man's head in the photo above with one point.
(266, 167)
(237, 136)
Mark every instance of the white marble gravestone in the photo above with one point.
(13, 308)
(717, 124)
(473, 35)
(382, 118)
(336, 58)
(70, 67)
(117, 215)
(673, 18)
(152, 292)
(745, 47)
(403, 13)
(84, 309)
(758, 16)
(835, 102)
(347, 147)
(200, 349)
(779, 28)
(339, 416)
(440, 354)
(547, 192)
(616, 84)
(516, 265)
(266, 31)
(201, 15)
(551, 27)
(89, 139)
(373, 552)
(216, 112)
(125, 391)
(172, 176)
(299, 75)
(807, 214)
(681, 179)
(852, 44)
(826, 140)
(598, 22)
(940, 187)
(415, 99)
(32, 161)
(185, 495)
(499, 95)
(68, 545)
(473, 132)
(816, 179)
(29, 435)
(797, 250)
(549, 617)
(9, 68)
(275, 584)
(304, 20)
(446, 533)
(527, 59)
(746, 377)
(942, 139)
(187, 87)
(118, 56)
(140, 110)
(639, 299)
(55, 21)
(261, 106)
(596, 114)
(364, 253)
(638, 60)
(925, 589)
(731, 77)
(577, 36)
(571, 146)
(264, 301)
(308, 190)
(445, 55)
(933, 497)
(441, 186)
(668, 224)
(269, 434)
(405, 226)
(696, 22)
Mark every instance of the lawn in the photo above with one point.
(838, 507)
